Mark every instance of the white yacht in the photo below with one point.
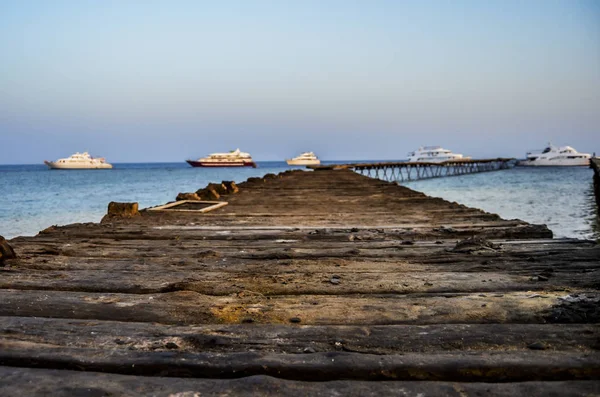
(560, 156)
(306, 158)
(235, 158)
(79, 161)
(434, 154)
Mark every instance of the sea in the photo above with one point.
(33, 197)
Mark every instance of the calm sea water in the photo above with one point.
(560, 197)
(34, 197)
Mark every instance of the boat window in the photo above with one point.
(547, 150)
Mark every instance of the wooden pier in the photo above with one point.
(595, 165)
(405, 171)
(306, 283)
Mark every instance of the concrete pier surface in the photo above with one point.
(307, 283)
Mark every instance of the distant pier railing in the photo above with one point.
(404, 171)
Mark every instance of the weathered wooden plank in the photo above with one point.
(43, 382)
(559, 255)
(319, 242)
(227, 228)
(459, 367)
(299, 281)
(187, 307)
(375, 266)
(227, 338)
(298, 247)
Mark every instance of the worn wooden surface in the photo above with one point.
(310, 283)
(45, 382)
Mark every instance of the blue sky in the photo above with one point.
(167, 80)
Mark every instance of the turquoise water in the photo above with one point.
(34, 197)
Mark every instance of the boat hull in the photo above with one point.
(56, 166)
(221, 164)
(585, 162)
(302, 162)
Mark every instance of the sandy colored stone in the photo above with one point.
(231, 187)
(208, 193)
(188, 196)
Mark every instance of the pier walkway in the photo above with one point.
(306, 283)
(405, 171)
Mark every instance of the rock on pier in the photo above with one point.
(310, 283)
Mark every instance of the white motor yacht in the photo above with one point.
(434, 154)
(235, 158)
(558, 156)
(306, 158)
(79, 161)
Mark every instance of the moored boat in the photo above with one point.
(434, 154)
(235, 158)
(306, 158)
(79, 161)
(556, 156)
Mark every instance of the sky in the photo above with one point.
(152, 81)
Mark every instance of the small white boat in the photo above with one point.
(434, 154)
(556, 156)
(79, 161)
(306, 158)
(235, 158)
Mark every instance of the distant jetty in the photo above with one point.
(410, 171)
(325, 282)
